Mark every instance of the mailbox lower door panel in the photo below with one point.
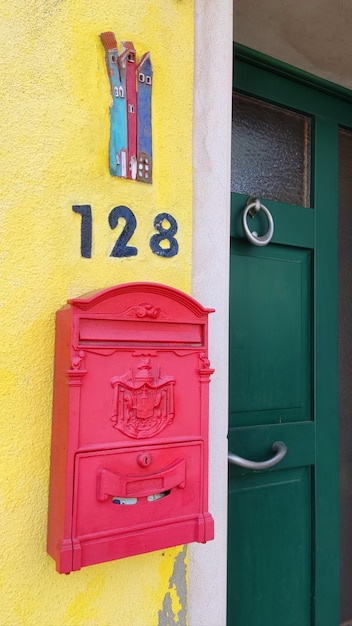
(139, 499)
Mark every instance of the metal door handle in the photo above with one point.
(278, 446)
(253, 206)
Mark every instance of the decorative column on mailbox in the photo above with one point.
(129, 459)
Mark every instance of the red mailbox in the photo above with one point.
(129, 458)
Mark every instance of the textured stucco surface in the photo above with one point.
(55, 128)
(314, 36)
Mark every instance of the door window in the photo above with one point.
(271, 149)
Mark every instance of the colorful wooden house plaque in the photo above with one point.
(130, 150)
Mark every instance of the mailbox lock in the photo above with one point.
(144, 459)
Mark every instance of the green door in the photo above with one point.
(283, 566)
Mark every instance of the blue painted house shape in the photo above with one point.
(144, 123)
(118, 109)
(119, 120)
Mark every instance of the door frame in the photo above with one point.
(210, 270)
(210, 267)
(273, 81)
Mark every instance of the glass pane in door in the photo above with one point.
(270, 152)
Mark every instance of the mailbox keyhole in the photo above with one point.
(144, 459)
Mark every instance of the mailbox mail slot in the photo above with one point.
(129, 462)
(112, 332)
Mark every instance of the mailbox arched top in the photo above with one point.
(145, 291)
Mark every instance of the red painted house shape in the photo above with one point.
(128, 60)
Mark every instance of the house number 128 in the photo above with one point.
(121, 249)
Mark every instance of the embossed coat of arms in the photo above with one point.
(143, 400)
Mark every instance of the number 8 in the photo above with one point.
(164, 234)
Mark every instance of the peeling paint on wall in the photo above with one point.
(174, 609)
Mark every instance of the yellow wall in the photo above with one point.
(55, 98)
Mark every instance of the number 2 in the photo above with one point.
(121, 249)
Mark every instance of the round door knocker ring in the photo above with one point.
(252, 208)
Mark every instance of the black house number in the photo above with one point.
(121, 248)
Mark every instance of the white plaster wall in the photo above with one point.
(211, 228)
(314, 35)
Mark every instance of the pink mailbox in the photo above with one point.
(129, 457)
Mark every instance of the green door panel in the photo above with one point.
(270, 342)
(273, 511)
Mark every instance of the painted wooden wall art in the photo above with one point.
(130, 149)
